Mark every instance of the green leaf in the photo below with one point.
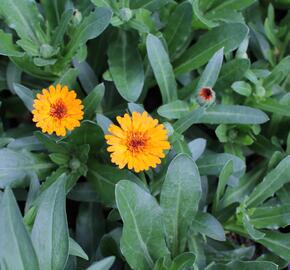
(86, 76)
(16, 166)
(142, 241)
(76, 250)
(231, 71)
(178, 29)
(174, 110)
(225, 174)
(254, 234)
(24, 18)
(242, 88)
(243, 266)
(233, 114)
(7, 46)
(91, 27)
(278, 74)
(162, 68)
(277, 242)
(53, 10)
(197, 148)
(104, 122)
(213, 164)
(92, 102)
(208, 225)
(49, 234)
(228, 36)
(179, 199)
(183, 261)
(152, 5)
(88, 133)
(15, 244)
(188, 120)
(126, 66)
(25, 94)
(273, 106)
(104, 264)
(104, 179)
(270, 217)
(270, 184)
(211, 71)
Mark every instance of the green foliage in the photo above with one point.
(220, 199)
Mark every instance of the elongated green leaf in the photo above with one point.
(273, 106)
(179, 199)
(86, 76)
(183, 261)
(142, 242)
(93, 101)
(23, 16)
(233, 114)
(15, 166)
(178, 28)
(174, 110)
(231, 71)
(15, 244)
(91, 27)
(243, 266)
(197, 148)
(270, 217)
(223, 180)
(279, 73)
(207, 224)
(7, 47)
(53, 10)
(162, 68)
(212, 164)
(25, 94)
(126, 66)
(228, 36)
(49, 234)
(271, 183)
(104, 264)
(211, 72)
(76, 250)
(277, 242)
(188, 120)
(148, 4)
(105, 177)
(254, 234)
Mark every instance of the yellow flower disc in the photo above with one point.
(139, 142)
(57, 110)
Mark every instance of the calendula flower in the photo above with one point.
(57, 110)
(206, 96)
(139, 142)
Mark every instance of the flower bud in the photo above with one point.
(125, 14)
(77, 17)
(46, 51)
(206, 96)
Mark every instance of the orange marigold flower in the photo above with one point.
(139, 142)
(57, 110)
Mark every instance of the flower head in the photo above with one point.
(57, 110)
(139, 142)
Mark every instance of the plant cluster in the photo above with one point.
(144, 134)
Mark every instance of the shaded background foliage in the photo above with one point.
(229, 160)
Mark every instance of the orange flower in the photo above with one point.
(139, 142)
(57, 110)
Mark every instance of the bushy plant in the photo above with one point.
(144, 134)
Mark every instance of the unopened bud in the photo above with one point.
(125, 14)
(206, 96)
(77, 17)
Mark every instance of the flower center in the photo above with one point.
(136, 142)
(205, 93)
(58, 109)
